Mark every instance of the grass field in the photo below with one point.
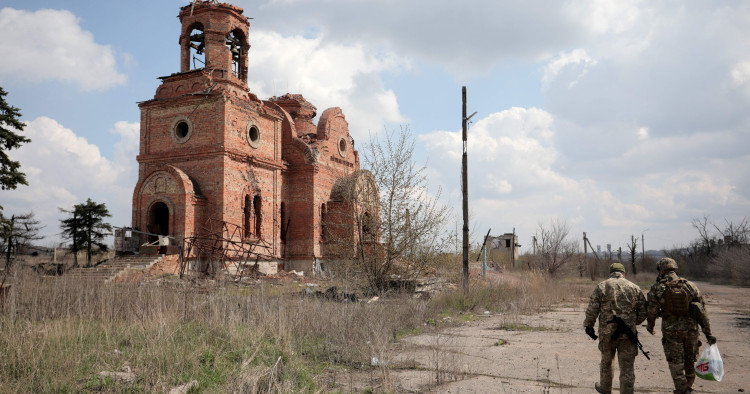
(57, 335)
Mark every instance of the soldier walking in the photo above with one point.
(616, 297)
(680, 305)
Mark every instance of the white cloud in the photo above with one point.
(48, 45)
(740, 76)
(606, 16)
(577, 60)
(64, 169)
(490, 31)
(508, 151)
(328, 75)
(498, 185)
(519, 175)
(741, 73)
(642, 133)
(675, 69)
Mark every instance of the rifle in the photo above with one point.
(622, 328)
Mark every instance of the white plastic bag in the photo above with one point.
(709, 365)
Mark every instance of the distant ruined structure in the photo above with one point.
(210, 150)
(507, 245)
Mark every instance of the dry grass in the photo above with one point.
(520, 292)
(57, 335)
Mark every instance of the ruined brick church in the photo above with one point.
(211, 149)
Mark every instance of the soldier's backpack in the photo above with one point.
(677, 298)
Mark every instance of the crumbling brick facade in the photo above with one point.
(211, 149)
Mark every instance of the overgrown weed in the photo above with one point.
(522, 293)
(57, 334)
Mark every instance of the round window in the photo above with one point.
(342, 147)
(253, 136)
(182, 129)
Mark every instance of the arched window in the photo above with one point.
(247, 216)
(197, 47)
(235, 42)
(258, 215)
(284, 224)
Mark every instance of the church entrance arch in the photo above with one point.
(158, 220)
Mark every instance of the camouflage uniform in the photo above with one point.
(616, 296)
(679, 333)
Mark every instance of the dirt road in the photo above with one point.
(550, 353)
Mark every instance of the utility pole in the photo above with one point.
(643, 250)
(465, 190)
(593, 266)
(465, 193)
(632, 252)
(585, 255)
(513, 248)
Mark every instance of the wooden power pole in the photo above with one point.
(465, 190)
(465, 194)
(585, 257)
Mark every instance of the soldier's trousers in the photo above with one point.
(681, 350)
(626, 351)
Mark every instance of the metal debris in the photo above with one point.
(223, 246)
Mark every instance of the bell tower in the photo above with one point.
(201, 121)
(211, 151)
(214, 37)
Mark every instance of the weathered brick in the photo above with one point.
(210, 149)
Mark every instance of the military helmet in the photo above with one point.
(616, 267)
(666, 264)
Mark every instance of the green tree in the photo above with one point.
(86, 229)
(10, 175)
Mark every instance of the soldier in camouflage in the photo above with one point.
(615, 296)
(680, 305)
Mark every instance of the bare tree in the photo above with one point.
(632, 247)
(407, 228)
(705, 240)
(554, 247)
(734, 234)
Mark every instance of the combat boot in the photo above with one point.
(599, 389)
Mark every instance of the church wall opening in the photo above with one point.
(158, 220)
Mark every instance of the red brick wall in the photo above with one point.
(238, 146)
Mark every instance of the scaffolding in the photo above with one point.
(224, 246)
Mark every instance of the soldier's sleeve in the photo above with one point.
(640, 308)
(592, 311)
(653, 308)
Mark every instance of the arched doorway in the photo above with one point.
(158, 220)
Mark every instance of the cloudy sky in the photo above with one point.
(620, 117)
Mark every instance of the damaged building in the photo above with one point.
(212, 150)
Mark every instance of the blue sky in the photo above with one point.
(620, 117)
